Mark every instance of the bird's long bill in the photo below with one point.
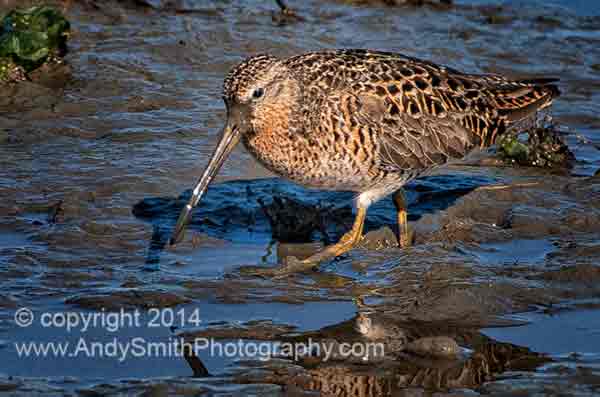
(229, 138)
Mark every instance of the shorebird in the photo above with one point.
(362, 121)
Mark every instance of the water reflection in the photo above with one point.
(481, 359)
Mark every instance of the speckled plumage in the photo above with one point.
(360, 120)
(363, 121)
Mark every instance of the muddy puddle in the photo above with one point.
(498, 295)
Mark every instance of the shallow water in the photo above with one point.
(563, 333)
(530, 252)
(93, 173)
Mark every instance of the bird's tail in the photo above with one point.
(522, 99)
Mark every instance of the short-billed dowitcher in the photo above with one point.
(362, 121)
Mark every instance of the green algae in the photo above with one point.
(29, 38)
(543, 148)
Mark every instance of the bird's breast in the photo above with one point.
(285, 156)
(309, 162)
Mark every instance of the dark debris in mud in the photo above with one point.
(293, 221)
(286, 15)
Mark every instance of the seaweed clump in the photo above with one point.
(30, 38)
(543, 148)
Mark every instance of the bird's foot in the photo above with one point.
(294, 265)
(346, 243)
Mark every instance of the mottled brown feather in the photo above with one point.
(422, 114)
(361, 120)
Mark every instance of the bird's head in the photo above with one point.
(258, 94)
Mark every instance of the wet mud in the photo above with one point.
(98, 154)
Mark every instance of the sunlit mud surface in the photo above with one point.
(498, 295)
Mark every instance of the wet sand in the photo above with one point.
(94, 156)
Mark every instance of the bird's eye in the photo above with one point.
(257, 93)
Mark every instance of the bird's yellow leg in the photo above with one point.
(404, 235)
(346, 243)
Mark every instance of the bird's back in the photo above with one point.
(408, 113)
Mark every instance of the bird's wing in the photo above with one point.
(408, 141)
(417, 114)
